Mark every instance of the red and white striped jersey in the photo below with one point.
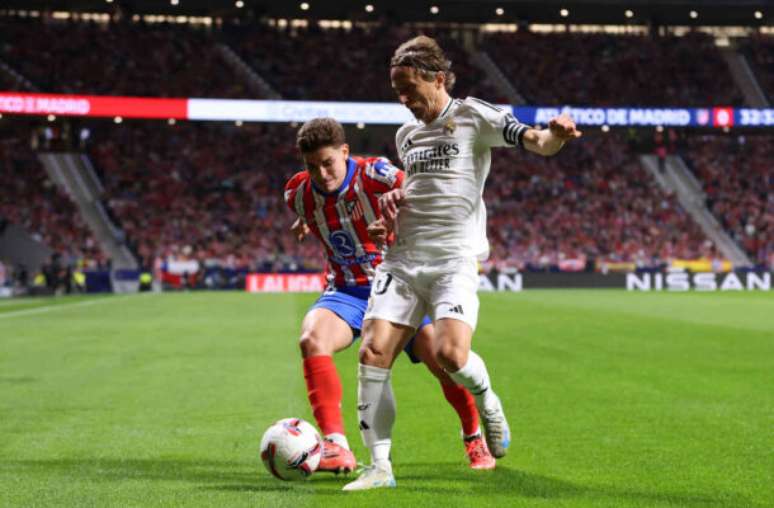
(339, 219)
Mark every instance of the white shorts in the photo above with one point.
(405, 293)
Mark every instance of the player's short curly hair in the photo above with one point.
(425, 55)
(320, 132)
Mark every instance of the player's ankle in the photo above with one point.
(338, 438)
(383, 464)
(468, 437)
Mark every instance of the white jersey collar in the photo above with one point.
(444, 111)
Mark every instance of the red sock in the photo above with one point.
(324, 389)
(462, 402)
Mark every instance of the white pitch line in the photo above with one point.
(49, 308)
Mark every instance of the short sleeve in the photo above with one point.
(495, 126)
(381, 175)
(292, 187)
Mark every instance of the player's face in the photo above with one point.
(420, 96)
(327, 166)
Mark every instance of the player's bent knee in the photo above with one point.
(452, 358)
(311, 344)
(371, 355)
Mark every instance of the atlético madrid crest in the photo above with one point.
(354, 209)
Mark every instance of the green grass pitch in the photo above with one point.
(615, 399)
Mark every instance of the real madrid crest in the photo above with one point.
(449, 126)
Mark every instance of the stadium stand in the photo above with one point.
(607, 70)
(739, 184)
(213, 192)
(760, 49)
(342, 64)
(593, 203)
(208, 193)
(117, 59)
(31, 200)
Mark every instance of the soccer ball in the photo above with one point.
(291, 449)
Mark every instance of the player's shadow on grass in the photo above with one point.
(454, 479)
(508, 481)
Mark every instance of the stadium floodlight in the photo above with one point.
(694, 14)
(369, 8)
(434, 9)
(171, 121)
(629, 13)
(51, 118)
(605, 128)
(118, 119)
(304, 6)
(499, 11)
(564, 13)
(360, 125)
(758, 15)
(174, 2)
(239, 4)
(109, 1)
(238, 123)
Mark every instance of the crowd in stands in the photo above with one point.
(337, 64)
(760, 51)
(31, 200)
(316, 64)
(738, 180)
(117, 59)
(606, 70)
(204, 193)
(592, 204)
(213, 194)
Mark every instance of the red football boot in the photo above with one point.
(336, 459)
(478, 453)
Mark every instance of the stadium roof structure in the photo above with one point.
(660, 12)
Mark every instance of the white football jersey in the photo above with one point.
(446, 163)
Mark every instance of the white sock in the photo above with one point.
(376, 412)
(474, 376)
(338, 438)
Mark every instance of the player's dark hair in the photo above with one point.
(425, 55)
(320, 132)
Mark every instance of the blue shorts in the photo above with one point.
(350, 305)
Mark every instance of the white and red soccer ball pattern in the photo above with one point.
(291, 449)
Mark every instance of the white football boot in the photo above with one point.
(372, 477)
(498, 434)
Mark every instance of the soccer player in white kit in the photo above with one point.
(440, 220)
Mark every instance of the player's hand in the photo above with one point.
(563, 127)
(378, 231)
(389, 203)
(300, 229)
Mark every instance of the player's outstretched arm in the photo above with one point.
(548, 142)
